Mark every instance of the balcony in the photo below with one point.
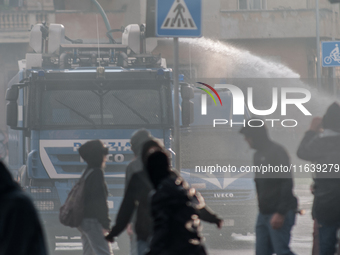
(14, 26)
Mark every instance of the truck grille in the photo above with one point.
(44, 198)
(227, 195)
(80, 168)
(72, 163)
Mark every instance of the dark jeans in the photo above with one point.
(328, 238)
(269, 240)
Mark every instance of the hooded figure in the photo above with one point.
(331, 119)
(176, 220)
(322, 148)
(137, 141)
(20, 228)
(277, 204)
(96, 212)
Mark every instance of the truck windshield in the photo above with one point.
(97, 106)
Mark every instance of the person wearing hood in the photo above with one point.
(277, 204)
(137, 140)
(175, 211)
(20, 228)
(96, 221)
(321, 146)
(136, 198)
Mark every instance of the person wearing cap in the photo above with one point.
(321, 145)
(277, 204)
(96, 221)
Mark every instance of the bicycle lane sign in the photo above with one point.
(331, 54)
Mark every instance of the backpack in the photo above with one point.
(71, 213)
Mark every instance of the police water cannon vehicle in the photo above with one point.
(68, 92)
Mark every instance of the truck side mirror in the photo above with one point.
(12, 93)
(12, 113)
(187, 93)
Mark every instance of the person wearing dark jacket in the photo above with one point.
(20, 228)
(176, 213)
(136, 198)
(96, 221)
(277, 204)
(322, 148)
(137, 140)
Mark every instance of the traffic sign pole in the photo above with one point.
(176, 107)
(178, 18)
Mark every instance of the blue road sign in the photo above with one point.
(330, 54)
(178, 18)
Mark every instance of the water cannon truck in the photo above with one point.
(68, 92)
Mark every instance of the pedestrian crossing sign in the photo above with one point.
(178, 18)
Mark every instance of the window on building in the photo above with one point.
(243, 4)
(252, 4)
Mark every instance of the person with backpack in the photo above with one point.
(96, 222)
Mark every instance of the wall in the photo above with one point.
(288, 4)
(280, 4)
(275, 24)
(291, 52)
